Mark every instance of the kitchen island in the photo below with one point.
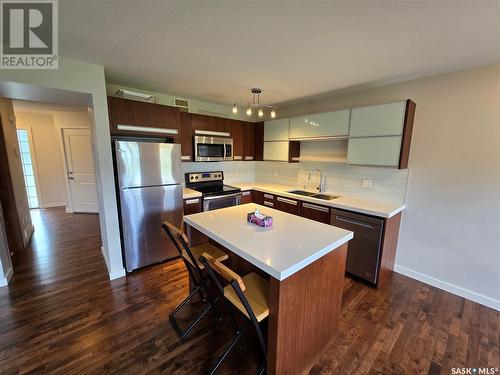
(305, 264)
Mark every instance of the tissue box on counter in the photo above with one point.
(259, 219)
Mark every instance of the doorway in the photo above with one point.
(52, 170)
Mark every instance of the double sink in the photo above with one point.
(325, 197)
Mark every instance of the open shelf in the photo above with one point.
(327, 159)
(328, 151)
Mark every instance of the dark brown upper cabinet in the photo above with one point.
(186, 137)
(138, 114)
(210, 123)
(258, 132)
(238, 130)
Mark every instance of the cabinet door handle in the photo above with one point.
(192, 201)
(355, 222)
(270, 204)
(237, 157)
(314, 207)
(268, 196)
(248, 157)
(289, 201)
(245, 193)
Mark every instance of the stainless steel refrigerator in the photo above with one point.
(150, 192)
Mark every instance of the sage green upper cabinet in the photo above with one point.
(276, 151)
(378, 120)
(380, 135)
(276, 130)
(377, 151)
(320, 125)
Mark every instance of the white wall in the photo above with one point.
(47, 156)
(450, 232)
(15, 167)
(73, 82)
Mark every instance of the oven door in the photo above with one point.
(221, 201)
(210, 149)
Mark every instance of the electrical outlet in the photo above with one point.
(367, 184)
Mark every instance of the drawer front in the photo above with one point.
(315, 212)
(287, 205)
(363, 253)
(192, 206)
(246, 197)
(378, 120)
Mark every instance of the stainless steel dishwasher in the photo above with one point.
(363, 253)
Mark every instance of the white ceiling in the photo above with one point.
(292, 49)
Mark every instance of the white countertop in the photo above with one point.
(289, 245)
(357, 204)
(190, 193)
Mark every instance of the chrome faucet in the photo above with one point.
(321, 186)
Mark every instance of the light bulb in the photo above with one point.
(273, 113)
(261, 112)
(249, 111)
(235, 108)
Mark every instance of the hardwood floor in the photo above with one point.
(62, 315)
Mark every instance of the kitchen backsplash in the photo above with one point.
(234, 171)
(387, 184)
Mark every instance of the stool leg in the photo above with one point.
(193, 292)
(233, 342)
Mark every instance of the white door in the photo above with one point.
(80, 169)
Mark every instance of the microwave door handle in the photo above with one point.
(224, 156)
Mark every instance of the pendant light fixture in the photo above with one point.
(255, 103)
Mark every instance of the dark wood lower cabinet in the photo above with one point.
(288, 205)
(315, 212)
(192, 206)
(371, 252)
(246, 197)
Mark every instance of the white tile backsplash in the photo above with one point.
(388, 184)
(234, 171)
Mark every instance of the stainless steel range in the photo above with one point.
(214, 193)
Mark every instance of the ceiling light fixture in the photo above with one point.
(255, 104)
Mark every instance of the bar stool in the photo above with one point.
(249, 294)
(190, 256)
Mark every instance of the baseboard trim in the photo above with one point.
(112, 275)
(118, 274)
(465, 293)
(4, 281)
(53, 204)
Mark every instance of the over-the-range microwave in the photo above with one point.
(209, 148)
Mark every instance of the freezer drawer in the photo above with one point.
(142, 212)
(364, 249)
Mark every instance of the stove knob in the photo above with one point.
(196, 177)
